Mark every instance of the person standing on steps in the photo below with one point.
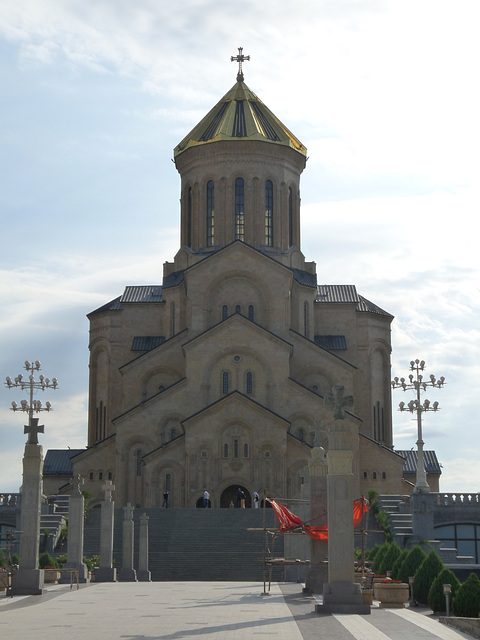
(206, 499)
(256, 499)
(165, 499)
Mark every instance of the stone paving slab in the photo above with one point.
(202, 610)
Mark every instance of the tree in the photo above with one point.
(466, 603)
(411, 563)
(436, 597)
(381, 553)
(425, 575)
(390, 557)
(398, 563)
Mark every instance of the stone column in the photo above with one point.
(29, 579)
(76, 514)
(318, 572)
(127, 573)
(106, 572)
(143, 574)
(341, 594)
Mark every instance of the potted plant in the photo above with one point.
(392, 594)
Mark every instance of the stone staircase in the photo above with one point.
(195, 544)
(53, 519)
(398, 509)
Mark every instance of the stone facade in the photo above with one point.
(215, 379)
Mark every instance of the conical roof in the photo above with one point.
(240, 115)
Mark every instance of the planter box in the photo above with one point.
(392, 595)
(367, 596)
(3, 580)
(52, 575)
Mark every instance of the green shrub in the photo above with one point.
(414, 559)
(46, 560)
(425, 575)
(398, 563)
(381, 553)
(466, 603)
(389, 559)
(371, 553)
(436, 597)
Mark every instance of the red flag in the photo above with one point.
(289, 520)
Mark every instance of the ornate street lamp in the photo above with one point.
(31, 406)
(418, 384)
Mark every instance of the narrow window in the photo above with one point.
(290, 216)
(269, 213)
(364, 475)
(91, 475)
(239, 209)
(173, 433)
(139, 462)
(238, 309)
(168, 482)
(189, 217)
(249, 383)
(110, 475)
(210, 213)
(384, 475)
(224, 312)
(301, 434)
(305, 319)
(100, 475)
(225, 450)
(235, 448)
(245, 450)
(251, 313)
(374, 475)
(225, 382)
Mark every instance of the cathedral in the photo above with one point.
(215, 378)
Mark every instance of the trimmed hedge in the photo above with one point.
(466, 604)
(436, 597)
(398, 563)
(411, 563)
(425, 575)
(390, 557)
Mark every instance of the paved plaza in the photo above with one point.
(203, 610)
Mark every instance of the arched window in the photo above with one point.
(224, 312)
(239, 209)
(301, 434)
(189, 217)
(173, 433)
(290, 217)
(139, 462)
(225, 450)
(210, 213)
(374, 475)
(109, 475)
(235, 448)
(238, 309)
(269, 213)
(225, 382)
(245, 450)
(91, 475)
(251, 312)
(100, 475)
(168, 482)
(249, 382)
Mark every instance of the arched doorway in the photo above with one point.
(229, 497)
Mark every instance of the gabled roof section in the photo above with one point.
(58, 462)
(113, 305)
(366, 305)
(143, 293)
(240, 115)
(429, 458)
(347, 293)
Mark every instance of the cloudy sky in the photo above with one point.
(95, 94)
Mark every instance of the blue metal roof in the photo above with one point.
(430, 459)
(332, 343)
(58, 462)
(147, 343)
(143, 293)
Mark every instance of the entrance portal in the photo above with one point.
(229, 497)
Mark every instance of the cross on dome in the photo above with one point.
(240, 58)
